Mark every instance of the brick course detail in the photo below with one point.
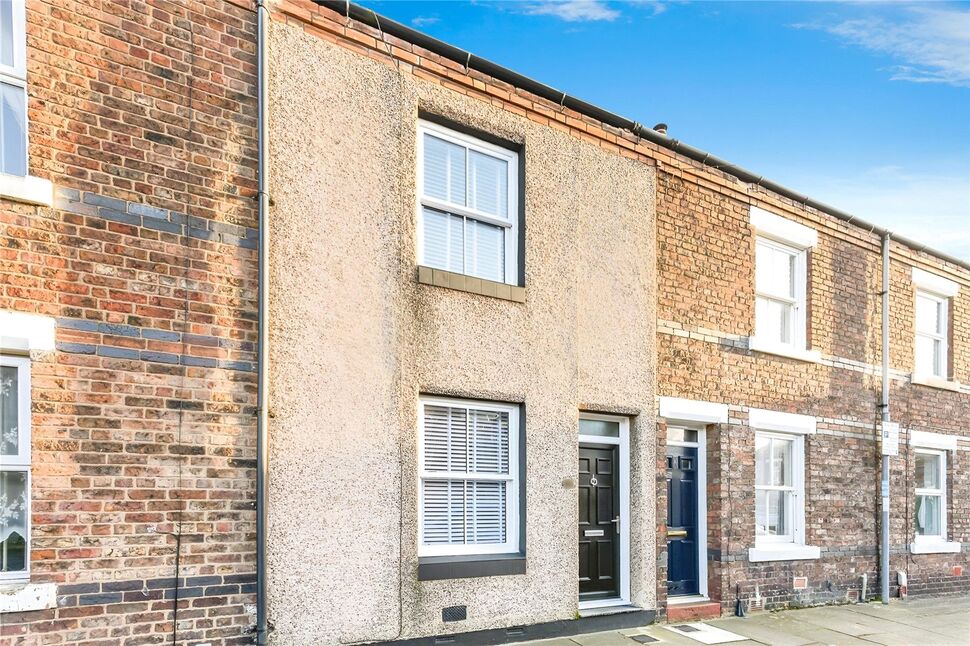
(143, 116)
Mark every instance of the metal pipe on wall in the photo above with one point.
(884, 538)
(262, 396)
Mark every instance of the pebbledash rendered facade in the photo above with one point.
(531, 371)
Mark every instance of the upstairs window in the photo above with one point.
(780, 276)
(468, 214)
(781, 285)
(469, 484)
(931, 334)
(14, 466)
(933, 294)
(13, 88)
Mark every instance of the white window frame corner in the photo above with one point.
(512, 224)
(513, 542)
(22, 462)
(623, 442)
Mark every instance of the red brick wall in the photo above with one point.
(142, 114)
(706, 311)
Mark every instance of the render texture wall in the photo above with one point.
(355, 340)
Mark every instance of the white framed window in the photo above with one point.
(14, 468)
(930, 504)
(467, 205)
(780, 294)
(468, 455)
(13, 88)
(932, 329)
(779, 488)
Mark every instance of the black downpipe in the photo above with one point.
(470, 61)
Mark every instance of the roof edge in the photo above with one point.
(387, 25)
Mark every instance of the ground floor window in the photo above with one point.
(930, 508)
(469, 483)
(778, 487)
(14, 467)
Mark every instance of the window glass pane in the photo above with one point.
(928, 471)
(472, 441)
(602, 428)
(444, 170)
(13, 133)
(445, 439)
(762, 460)
(444, 240)
(464, 512)
(675, 434)
(928, 515)
(485, 510)
(928, 359)
(488, 440)
(774, 320)
(774, 271)
(772, 513)
(928, 317)
(781, 462)
(6, 33)
(9, 418)
(489, 190)
(13, 521)
(484, 250)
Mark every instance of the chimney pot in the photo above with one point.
(661, 128)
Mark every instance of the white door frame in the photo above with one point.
(701, 446)
(623, 442)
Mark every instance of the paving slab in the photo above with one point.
(609, 638)
(923, 622)
(763, 630)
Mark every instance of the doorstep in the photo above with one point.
(693, 611)
(608, 610)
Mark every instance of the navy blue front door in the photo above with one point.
(681, 520)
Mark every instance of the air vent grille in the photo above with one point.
(454, 613)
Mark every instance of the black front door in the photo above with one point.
(681, 520)
(599, 515)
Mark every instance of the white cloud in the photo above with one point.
(574, 10)
(931, 43)
(424, 21)
(931, 208)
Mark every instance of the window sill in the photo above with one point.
(935, 382)
(757, 345)
(470, 284)
(29, 189)
(25, 597)
(438, 568)
(934, 547)
(783, 552)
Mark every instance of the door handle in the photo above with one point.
(616, 523)
(676, 533)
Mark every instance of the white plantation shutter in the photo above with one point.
(489, 183)
(444, 170)
(468, 486)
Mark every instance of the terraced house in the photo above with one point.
(492, 362)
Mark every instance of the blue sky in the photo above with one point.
(863, 105)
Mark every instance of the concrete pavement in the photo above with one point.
(943, 621)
